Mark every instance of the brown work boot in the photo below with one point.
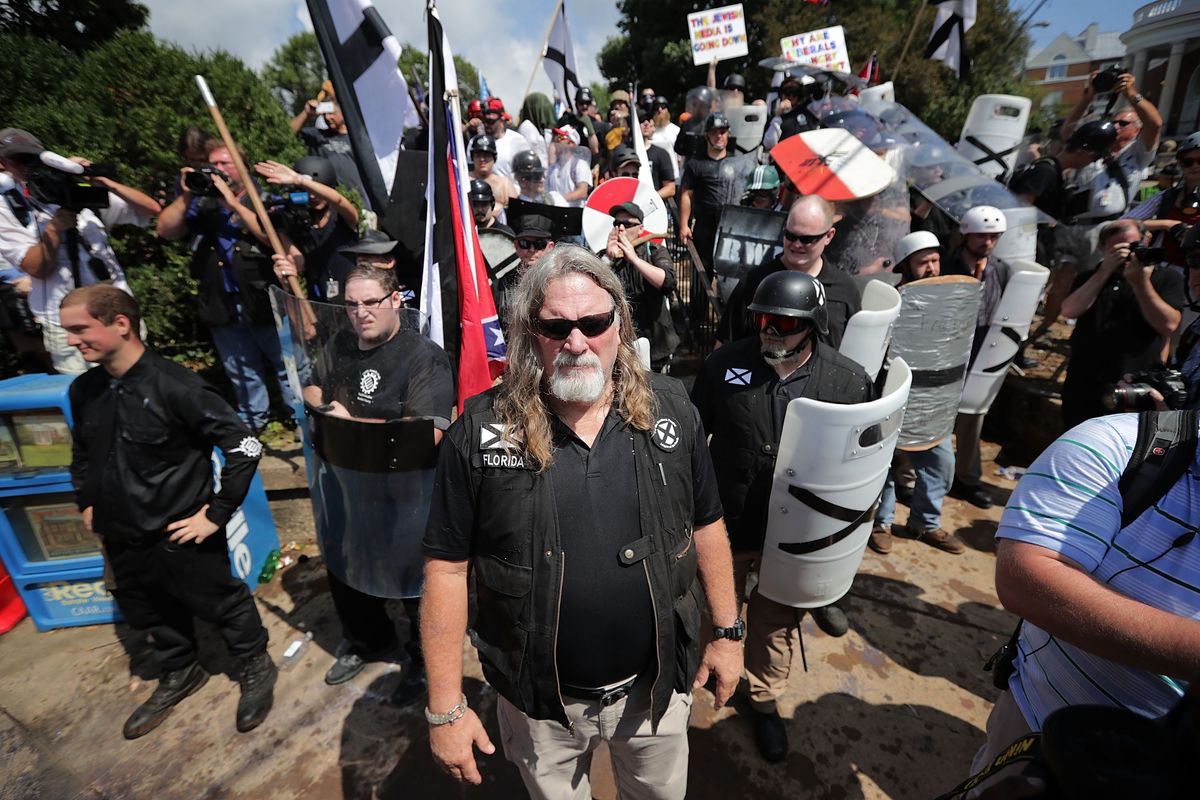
(881, 539)
(940, 538)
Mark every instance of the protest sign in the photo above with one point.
(824, 48)
(718, 33)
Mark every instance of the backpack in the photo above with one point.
(1165, 446)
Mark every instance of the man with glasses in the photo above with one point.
(378, 369)
(580, 496)
(648, 276)
(531, 180)
(806, 233)
(742, 393)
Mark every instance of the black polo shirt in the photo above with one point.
(716, 183)
(604, 601)
(842, 301)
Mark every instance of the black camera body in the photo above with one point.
(51, 186)
(1135, 395)
(200, 181)
(1106, 78)
(1148, 256)
(292, 210)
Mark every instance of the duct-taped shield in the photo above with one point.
(1009, 327)
(371, 466)
(832, 463)
(869, 331)
(933, 335)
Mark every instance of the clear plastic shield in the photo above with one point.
(372, 464)
(1009, 327)
(832, 463)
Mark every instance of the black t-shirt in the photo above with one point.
(325, 268)
(646, 301)
(336, 147)
(1043, 181)
(716, 183)
(662, 170)
(1112, 338)
(797, 120)
(842, 301)
(406, 376)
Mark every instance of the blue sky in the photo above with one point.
(501, 37)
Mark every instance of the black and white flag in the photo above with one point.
(361, 55)
(948, 42)
(559, 58)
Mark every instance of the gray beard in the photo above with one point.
(578, 386)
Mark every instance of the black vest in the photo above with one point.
(518, 561)
(252, 272)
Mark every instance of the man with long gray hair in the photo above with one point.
(582, 494)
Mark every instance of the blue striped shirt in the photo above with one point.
(1068, 502)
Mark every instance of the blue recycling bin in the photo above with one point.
(55, 563)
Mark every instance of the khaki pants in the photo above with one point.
(772, 638)
(1005, 725)
(554, 762)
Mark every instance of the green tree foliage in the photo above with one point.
(295, 71)
(654, 49)
(76, 25)
(126, 101)
(413, 59)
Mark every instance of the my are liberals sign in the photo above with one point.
(718, 34)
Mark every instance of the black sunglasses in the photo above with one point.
(802, 238)
(1121, 123)
(590, 326)
(532, 244)
(626, 223)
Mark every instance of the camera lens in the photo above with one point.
(1104, 80)
(198, 182)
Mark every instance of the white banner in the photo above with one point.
(824, 48)
(718, 33)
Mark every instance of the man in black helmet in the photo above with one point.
(791, 110)
(742, 393)
(582, 120)
(333, 225)
(531, 179)
(484, 208)
(711, 181)
(483, 166)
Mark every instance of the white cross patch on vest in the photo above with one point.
(666, 434)
(495, 436)
(737, 377)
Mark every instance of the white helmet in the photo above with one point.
(917, 240)
(983, 219)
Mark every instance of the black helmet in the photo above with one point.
(481, 192)
(584, 95)
(527, 162)
(484, 143)
(318, 168)
(792, 294)
(734, 81)
(1096, 136)
(716, 120)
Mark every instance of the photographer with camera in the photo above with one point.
(231, 260)
(1126, 311)
(54, 228)
(1177, 204)
(317, 218)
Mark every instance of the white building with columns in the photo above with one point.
(1162, 50)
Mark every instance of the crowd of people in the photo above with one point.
(606, 519)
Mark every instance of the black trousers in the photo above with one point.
(161, 587)
(365, 621)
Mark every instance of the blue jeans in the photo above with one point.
(247, 353)
(935, 470)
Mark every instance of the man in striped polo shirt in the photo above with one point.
(1112, 615)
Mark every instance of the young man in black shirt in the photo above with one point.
(141, 465)
(377, 370)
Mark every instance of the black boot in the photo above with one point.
(770, 734)
(257, 678)
(172, 687)
(831, 619)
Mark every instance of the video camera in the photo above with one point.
(291, 209)
(1135, 395)
(55, 180)
(200, 181)
(1106, 79)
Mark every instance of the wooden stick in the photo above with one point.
(908, 41)
(538, 61)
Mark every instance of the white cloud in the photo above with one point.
(502, 44)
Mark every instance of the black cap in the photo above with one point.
(534, 225)
(372, 243)
(565, 221)
(630, 208)
(16, 142)
(734, 81)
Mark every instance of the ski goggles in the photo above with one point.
(778, 324)
(590, 326)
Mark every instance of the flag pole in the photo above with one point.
(538, 61)
(908, 41)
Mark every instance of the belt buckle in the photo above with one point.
(609, 698)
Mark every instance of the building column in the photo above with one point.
(1139, 67)
(1166, 100)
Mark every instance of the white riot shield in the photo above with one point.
(642, 345)
(994, 129)
(832, 463)
(371, 467)
(1019, 242)
(747, 123)
(1009, 327)
(885, 92)
(933, 335)
(869, 332)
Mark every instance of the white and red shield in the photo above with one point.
(597, 222)
(832, 163)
